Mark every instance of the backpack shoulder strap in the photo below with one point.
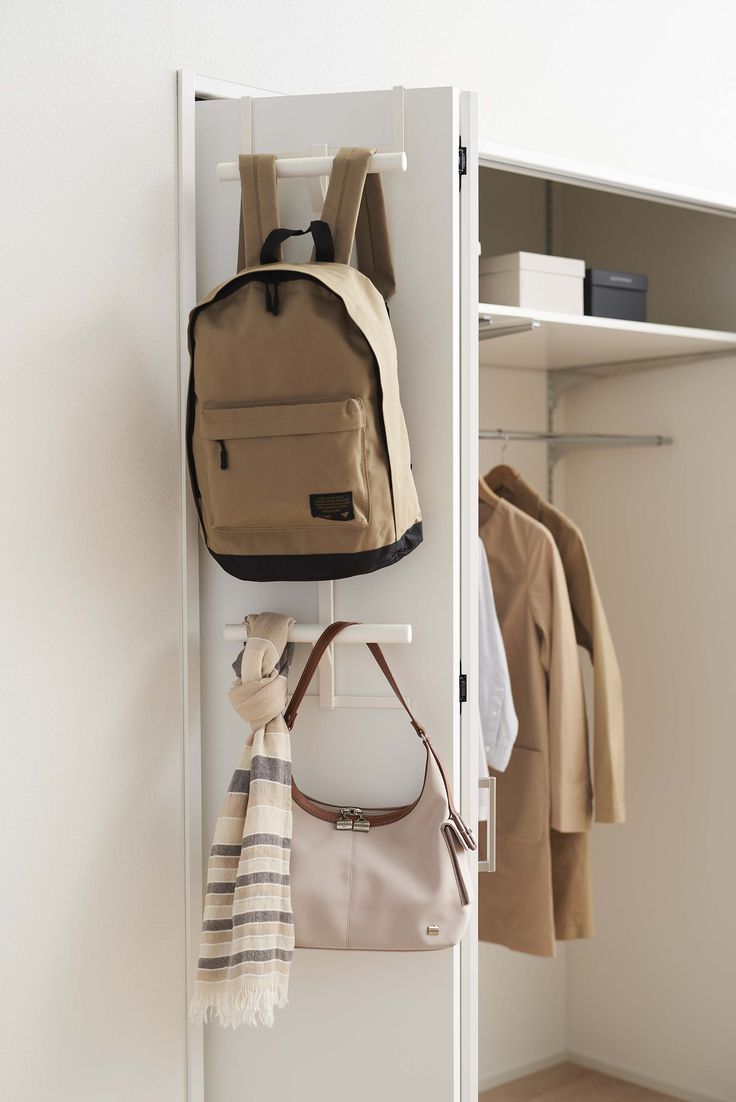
(371, 237)
(355, 211)
(259, 212)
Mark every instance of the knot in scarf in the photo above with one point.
(260, 694)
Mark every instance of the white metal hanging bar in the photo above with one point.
(560, 443)
(578, 439)
(356, 633)
(292, 167)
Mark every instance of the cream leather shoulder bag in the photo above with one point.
(392, 878)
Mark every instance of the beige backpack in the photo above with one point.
(297, 446)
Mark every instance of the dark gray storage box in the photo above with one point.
(615, 294)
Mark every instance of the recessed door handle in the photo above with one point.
(489, 862)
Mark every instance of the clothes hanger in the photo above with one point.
(502, 477)
(486, 494)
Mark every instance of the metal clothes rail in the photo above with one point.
(578, 439)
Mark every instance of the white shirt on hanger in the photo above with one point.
(498, 722)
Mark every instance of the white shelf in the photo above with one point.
(599, 346)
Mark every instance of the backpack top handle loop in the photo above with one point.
(324, 249)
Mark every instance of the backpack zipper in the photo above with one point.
(223, 455)
(272, 298)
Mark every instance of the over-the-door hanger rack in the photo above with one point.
(316, 168)
(559, 444)
(356, 633)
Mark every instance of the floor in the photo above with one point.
(571, 1083)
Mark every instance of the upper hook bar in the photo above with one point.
(356, 633)
(292, 167)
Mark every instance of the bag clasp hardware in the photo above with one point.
(352, 818)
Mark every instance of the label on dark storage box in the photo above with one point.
(332, 506)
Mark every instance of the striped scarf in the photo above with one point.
(248, 930)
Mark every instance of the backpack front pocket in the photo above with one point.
(292, 466)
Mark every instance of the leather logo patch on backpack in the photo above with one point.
(332, 506)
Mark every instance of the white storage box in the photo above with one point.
(533, 281)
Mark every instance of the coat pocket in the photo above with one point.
(289, 466)
(521, 811)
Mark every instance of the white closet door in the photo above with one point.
(359, 1025)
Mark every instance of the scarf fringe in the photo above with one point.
(251, 1006)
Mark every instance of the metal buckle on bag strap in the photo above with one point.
(352, 818)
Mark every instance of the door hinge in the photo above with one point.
(462, 162)
(463, 688)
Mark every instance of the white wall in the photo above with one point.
(92, 937)
(655, 991)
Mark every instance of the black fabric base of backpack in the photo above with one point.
(317, 568)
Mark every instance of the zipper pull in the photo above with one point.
(272, 295)
(223, 455)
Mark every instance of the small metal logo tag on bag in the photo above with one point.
(433, 930)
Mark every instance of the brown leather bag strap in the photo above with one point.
(454, 813)
(259, 213)
(308, 673)
(310, 668)
(386, 671)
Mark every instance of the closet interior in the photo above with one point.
(627, 426)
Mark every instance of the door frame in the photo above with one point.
(469, 562)
(191, 87)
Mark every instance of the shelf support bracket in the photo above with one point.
(486, 332)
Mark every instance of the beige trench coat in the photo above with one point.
(592, 632)
(540, 889)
